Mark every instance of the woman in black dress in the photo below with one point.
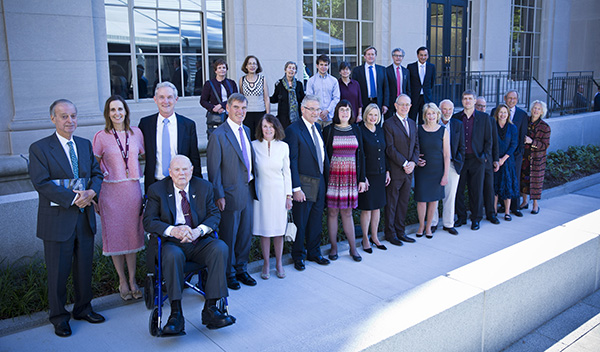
(506, 181)
(377, 177)
(432, 174)
(288, 95)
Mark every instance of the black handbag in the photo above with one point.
(212, 118)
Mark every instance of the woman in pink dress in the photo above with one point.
(117, 148)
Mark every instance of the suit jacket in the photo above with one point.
(187, 144)
(400, 147)
(161, 210)
(521, 121)
(303, 155)
(482, 140)
(226, 169)
(47, 162)
(415, 81)
(391, 78)
(358, 74)
(457, 144)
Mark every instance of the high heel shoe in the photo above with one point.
(357, 257)
(429, 236)
(379, 246)
(419, 235)
(534, 212)
(368, 250)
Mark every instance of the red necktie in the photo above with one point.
(398, 81)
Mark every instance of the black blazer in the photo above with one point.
(303, 155)
(328, 134)
(457, 144)
(281, 98)
(208, 100)
(187, 144)
(47, 162)
(482, 140)
(391, 77)
(374, 147)
(521, 121)
(358, 74)
(415, 81)
(161, 211)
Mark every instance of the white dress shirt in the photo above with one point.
(172, 139)
(179, 217)
(422, 72)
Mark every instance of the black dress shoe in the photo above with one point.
(175, 325)
(62, 329)
(475, 225)
(524, 207)
(494, 220)
(433, 228)
(501, 209)
(356, 258)
(395, 242)
(450, 230)
(246, 279)
(517, 213)
(299, 265)
(460, 222)
(368, 250)
(332, 256)
(233, 284)
(319, 260)
(406, 239)
(213, 318)
(91, 317)
(535, 212)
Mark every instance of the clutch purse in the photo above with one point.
(310, 187)
(290, 228)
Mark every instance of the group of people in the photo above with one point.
(356, 148)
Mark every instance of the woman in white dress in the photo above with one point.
(274, 188)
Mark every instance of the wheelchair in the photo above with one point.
(154, 292)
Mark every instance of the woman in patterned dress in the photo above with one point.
(343, 141)
(537, 141)
(254, 87)
(117, 148)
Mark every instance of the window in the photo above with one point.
(525, 37)
(338, 28)
(150, 41)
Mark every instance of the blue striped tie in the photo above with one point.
(74, 162)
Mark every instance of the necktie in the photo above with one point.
(405, 123)
(166, 148)
(317, 147)
(373, 93)
(186, 209)
(244, 151)
(74, 162)
(422, 73)
(398, 81)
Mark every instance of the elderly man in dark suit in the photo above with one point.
(181, 209)
(372, 80)
(167, 134)
(66, 219)
(478, 149)
(520, 119)
(309, 167)
(398, 79)
(230, 169)
(422, 81)
(402, 150)
(457, 154)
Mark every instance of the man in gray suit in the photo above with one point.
(229, 160)
(66, 219)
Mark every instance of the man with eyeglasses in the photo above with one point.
(398, 79)
(309, 166)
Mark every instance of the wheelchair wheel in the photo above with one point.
(153, 323)
(149, 291)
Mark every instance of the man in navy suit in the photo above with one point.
(520, 119)
(422, 81)
(231, 171)
(167, 134)
(478, 149)
(491, 166)
(398, 79)
(309, 166)
(66, 219)
(182, 210)
(372, 80)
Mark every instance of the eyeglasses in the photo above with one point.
(480, 106)
(317, 110)
(397, 55)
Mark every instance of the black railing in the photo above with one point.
(570, 92)
(490, 84)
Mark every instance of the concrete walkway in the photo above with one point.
(336, 307)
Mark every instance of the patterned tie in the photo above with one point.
(315, 136)
(405, 123)
(398, 81)
(373, 93)
(245, 151)
(186, 209)
(74, 162)
(166, 148)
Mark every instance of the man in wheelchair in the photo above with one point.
(181, 209)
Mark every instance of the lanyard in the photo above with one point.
(124, 153)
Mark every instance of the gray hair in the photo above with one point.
(165, 84)
(481, 97)
(447, 101)
(60, 101)
(290, 63)
(402, 95)
(511, 91)
(236, 97)
(542, 104)
(180, 157)
(400, 50)
(309, 98)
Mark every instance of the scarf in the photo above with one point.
(502, 130)
(293, 100)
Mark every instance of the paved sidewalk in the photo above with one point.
(331, 308)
